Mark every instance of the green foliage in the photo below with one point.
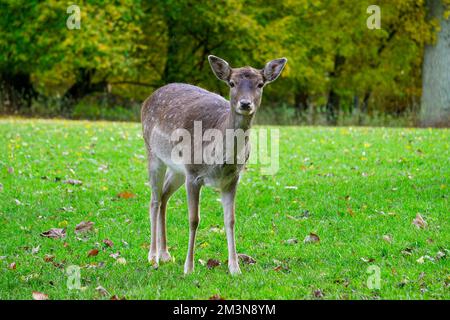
(130, 48)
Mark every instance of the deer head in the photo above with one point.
(246, 83)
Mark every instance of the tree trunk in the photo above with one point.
(17, 90)
(301, 100)
(84, 85)
(334, 100)
(435, 105)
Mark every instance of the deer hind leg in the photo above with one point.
(172, 183)
(156, 170)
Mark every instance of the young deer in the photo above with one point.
(178, 105)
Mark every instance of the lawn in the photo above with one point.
(357, 189)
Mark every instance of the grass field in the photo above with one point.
(358, 189)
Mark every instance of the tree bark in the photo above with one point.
(334, 100)
(435, 104)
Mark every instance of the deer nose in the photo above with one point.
(245, 104)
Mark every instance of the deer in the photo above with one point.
(180, 105)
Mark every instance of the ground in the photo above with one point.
(357, 189)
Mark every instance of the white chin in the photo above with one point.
(245, 112)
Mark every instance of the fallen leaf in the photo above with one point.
(12, 266)
(440, 255)
(102, 291)
(84, 226)
(126, 195)
(121, 261)
(10, 170)
(216, 297)
(407, 251)
(246, 259)
(108, 243)
(115, 255)
(73, 182)
(35, 250)
(49, 258)
(116, 297)
(54, 233)
(291, 241)
(212, 263)
(93, 253)
(202, 262)
(39, 296)
(387, 238)
(419, 222)
(318, 294)
(367, 260)
(311, 238)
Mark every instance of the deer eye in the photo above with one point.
(231, 83)
(260, 85)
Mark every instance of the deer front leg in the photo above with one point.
(228, 203)
(193, 196)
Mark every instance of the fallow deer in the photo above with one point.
(179, 105)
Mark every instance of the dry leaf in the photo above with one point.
(202, 262)
(39, 296)
(216, 297)
(93, 253)
(291, 241)
(212, 263)
(121, 261)
(73, 182)
(108, 243)
(54, 233)
(84, 226)
(102, 291)
(311, 238)
(35, 250)
(419, 222)
(116, 297)
(318, 294)
(387, 238)
(115, 255)
(246, 259)
(126, 195)
(440, 255)
(49, 258)
(367, 260)
(12, 266)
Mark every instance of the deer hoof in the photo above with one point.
(153, 259)
(165, 256)
(188, 268)
(234, 269)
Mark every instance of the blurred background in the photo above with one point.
(339, 72)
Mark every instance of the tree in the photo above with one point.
(435, 109)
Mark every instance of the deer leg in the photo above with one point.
(172, 183)
(156, 171)
(228, 203)
(193, 195)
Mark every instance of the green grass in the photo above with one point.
(385, 177)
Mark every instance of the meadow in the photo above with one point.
(374, 199)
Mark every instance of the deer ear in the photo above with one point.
(220, 67)
(273, 69)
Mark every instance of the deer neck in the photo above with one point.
(237, 121)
